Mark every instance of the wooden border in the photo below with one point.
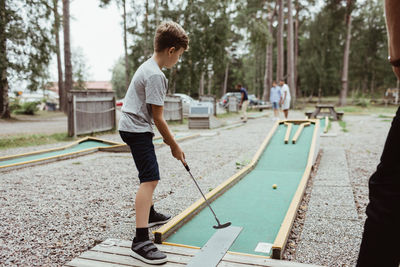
(298, 132)
(326, 124)
(288, 131)
(167, 229)
(283, 234)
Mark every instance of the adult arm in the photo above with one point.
(392, 10)
(162, 126)
(283, 98)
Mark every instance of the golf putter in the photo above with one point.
(219, 226)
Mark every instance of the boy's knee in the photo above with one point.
(150, 184)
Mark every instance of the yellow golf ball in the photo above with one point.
(274, 186)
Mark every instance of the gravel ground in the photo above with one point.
(51, 213)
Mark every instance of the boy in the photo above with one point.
(244, 101)
(274, 98)
(143, 104)
(285, 98)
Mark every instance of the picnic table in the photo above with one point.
(329, 110)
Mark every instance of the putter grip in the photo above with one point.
(187, 167)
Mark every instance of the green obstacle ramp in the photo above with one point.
(253, 203)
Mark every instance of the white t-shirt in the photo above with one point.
(285, 88)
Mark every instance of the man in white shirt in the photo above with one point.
(285, 97)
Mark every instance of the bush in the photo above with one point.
(28, 108)
(15, 105)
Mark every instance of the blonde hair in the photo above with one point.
(170, 34)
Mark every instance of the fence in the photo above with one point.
(173, 109)
(210, 98)
(233, 104)
(90, 111)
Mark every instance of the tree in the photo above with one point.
(290, 55)
(56, 32)
(25, 46)
(279, 40)
(67, 51)
(122, 3)
(268, 76)
(345, 69)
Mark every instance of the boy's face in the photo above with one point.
(281, 83)
(173, 56)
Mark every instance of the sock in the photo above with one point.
(152, 211)
(142, 234)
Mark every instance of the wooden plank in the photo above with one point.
(298, 132)
(124, 251)
(121, 259)
(78, 262)
(288, 130)
(216, 247)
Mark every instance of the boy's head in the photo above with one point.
(238, 86)
(281, 82)
(170, 41)
(273, 83)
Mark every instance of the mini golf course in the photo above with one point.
(249, 199)
(81, 147)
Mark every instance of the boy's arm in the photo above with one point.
(162, 126)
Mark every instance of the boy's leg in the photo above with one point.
(143, 202)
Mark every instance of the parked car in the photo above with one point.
(253, 100)
(119, 103)
(186, 102)
(224, 99)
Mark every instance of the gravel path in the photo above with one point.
(51, 213)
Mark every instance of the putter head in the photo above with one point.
(220, 226)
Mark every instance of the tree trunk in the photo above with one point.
(201, 86)
(279, 40)
(4, 103)
(67, 51)
(146, 30)
(269, 66)
(125, 47)
(61, 92)
(290, 54)
(345, 70)
(209, 83)
(156, 14)
(226, 78)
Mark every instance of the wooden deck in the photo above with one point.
(114, 252)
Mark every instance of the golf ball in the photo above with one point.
(274, 186)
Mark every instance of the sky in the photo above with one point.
(97, 32)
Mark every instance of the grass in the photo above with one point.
(33, 140)
(385, 116)
(185, 121)
(329, 125)
(343, 125)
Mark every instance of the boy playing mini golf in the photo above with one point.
(143, 104)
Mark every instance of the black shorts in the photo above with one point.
(143, 153)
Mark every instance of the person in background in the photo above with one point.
(244, 101)
(274, 98)
(380, 244)
(285, 98)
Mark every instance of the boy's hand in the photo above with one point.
(177, 153)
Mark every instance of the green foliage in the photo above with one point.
(118, 78)
(80, 69)
(27, 108)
